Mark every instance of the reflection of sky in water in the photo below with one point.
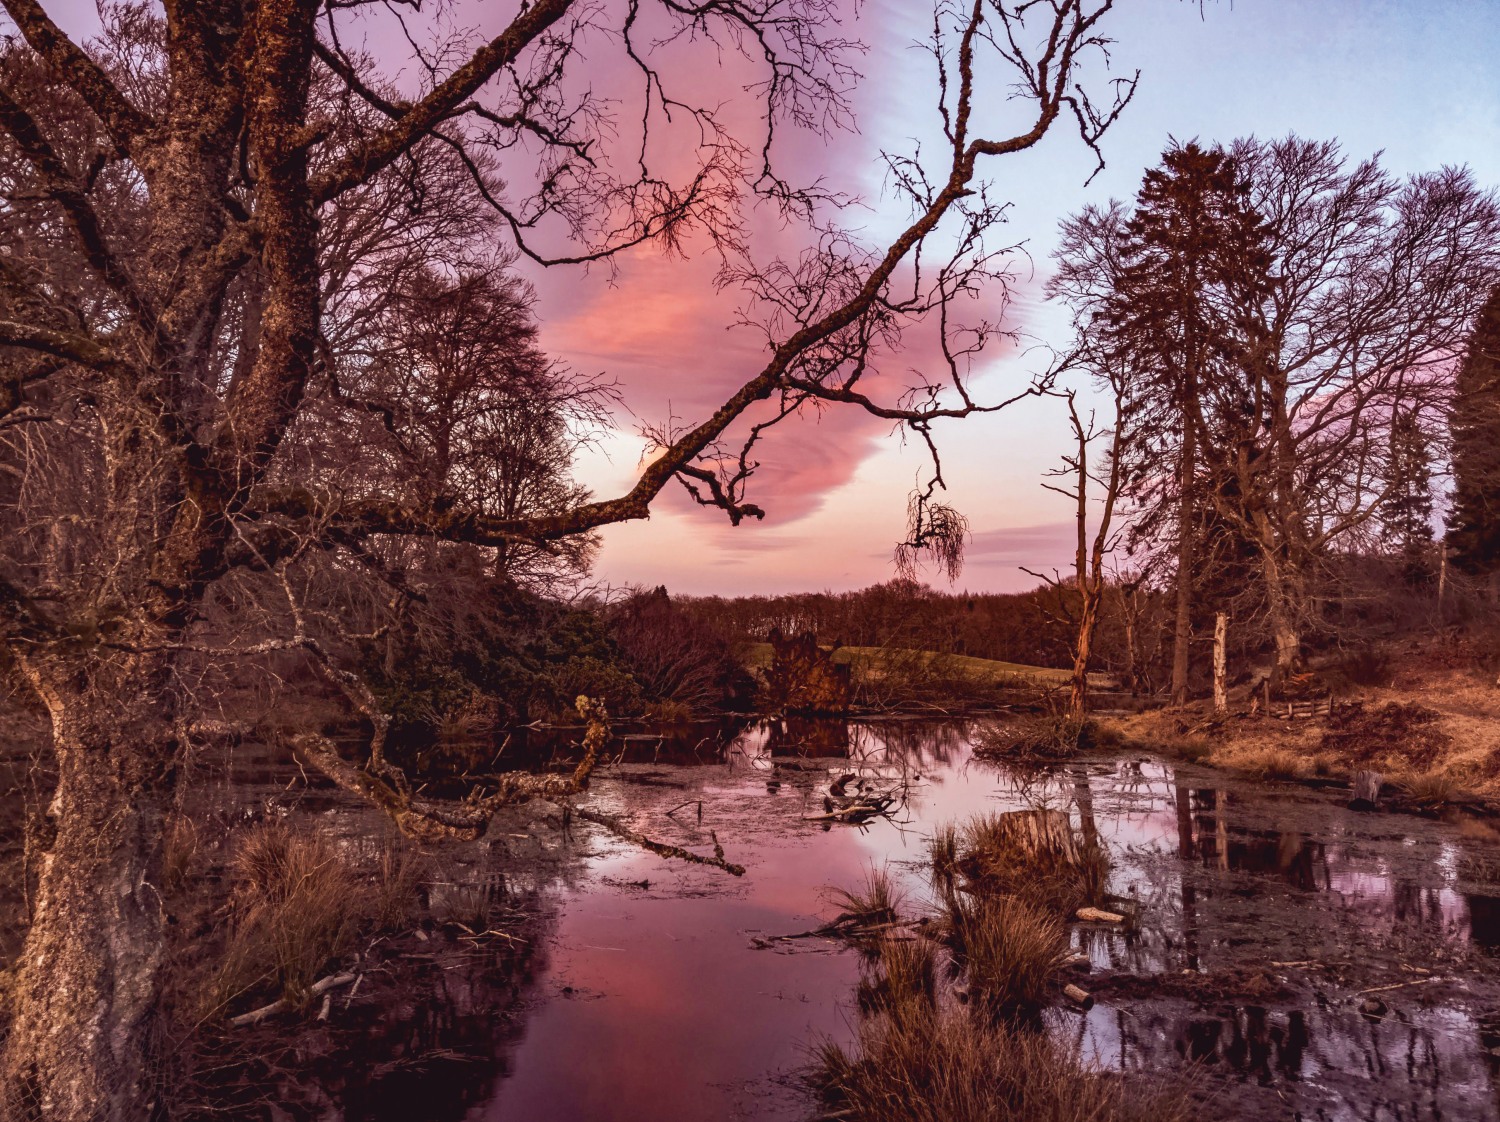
(657, 1005)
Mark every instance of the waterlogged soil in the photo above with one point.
(1303, 961)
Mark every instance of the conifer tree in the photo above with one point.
(1474, 520)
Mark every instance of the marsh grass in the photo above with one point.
(878, 900)
(1043, 738)
(1036, 855)
(1431, 789)
(294, 906)
(951, 1065)
(1008, 948)
(1271, 763)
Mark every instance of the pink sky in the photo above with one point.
(1414, 78)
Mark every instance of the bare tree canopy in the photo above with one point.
(227, 238)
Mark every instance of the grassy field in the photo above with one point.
(865, 659)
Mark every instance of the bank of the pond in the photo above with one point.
(1432, 733)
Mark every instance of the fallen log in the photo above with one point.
(1079, 996)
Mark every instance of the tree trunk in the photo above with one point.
(1182, 636)
(1088, 621)
(85, 994)
(1221, 641)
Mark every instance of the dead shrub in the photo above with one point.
(1041, 739)
(954, 1066)
(1407, 732)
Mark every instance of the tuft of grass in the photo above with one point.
(943, 853)
(876, 901)
(1272, 763)
(1008, 948)
(955, 1066)
(1193, 749)
(294, 907)
(904, 984)
(1431, 789)
(180, 850)
(398, 874)
(1036, 855)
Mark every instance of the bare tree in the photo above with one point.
(186, 260)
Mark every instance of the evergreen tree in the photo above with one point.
(1193, 263)
(1406, 515)
(1474, 521)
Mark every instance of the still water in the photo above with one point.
(1268, 911)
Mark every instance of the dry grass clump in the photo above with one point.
(180, 850)
(295, 906)
(1432, 789)
(1193, 749)
(1041, 739)
(951, 1065)
(1036, 855)
(878, 900)
(905, 981)
(1008, 948)
(1271, 763)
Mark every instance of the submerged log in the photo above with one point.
(1366, 790)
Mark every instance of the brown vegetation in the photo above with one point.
(976, 1051)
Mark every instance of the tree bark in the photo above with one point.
(79, 1048)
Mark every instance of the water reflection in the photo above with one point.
(1232, 879)
(1265, 912)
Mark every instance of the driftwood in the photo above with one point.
(1079, 996)
(859, 809)
(281, 1004)
(1094, 915)
(1366, 790)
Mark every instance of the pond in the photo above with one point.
(1304, 960)
(1267, 910)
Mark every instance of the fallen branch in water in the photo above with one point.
(1396, 986)
(281, 1004)
(661, 849)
